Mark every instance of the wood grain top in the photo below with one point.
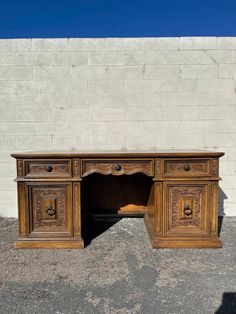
(117, 153)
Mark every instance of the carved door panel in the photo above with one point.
(187, 209)
(50, 209)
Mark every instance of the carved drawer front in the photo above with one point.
(117, 166)
(47, 168)
(186, 209)
(50, 206)
(187, 167)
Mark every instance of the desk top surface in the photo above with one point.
(117, 153)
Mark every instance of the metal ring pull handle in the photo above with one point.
(187, 210)
(50, 211)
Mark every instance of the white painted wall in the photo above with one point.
(132, 93)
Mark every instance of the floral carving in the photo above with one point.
(215, 167)
(76, 167)
(176, 196)
(20, 168)
(42, 200)
(158, 168)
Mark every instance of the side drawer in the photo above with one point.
(186, 209)
(187, 167)
(117, 166)
(48, 168)
(50, 209)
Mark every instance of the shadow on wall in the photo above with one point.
(228, 305)
(222, 198)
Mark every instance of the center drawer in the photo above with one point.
(187, 167)
(117, 166)
(48, 168)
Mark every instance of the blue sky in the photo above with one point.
(116, 18)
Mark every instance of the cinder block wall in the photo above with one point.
(135, 93)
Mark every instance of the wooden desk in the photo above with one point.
(176, 191)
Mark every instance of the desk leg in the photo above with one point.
(77, 212)
(154, 216)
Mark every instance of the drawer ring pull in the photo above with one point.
(50, 210)
(117, 167)
(186, 167)
(49, 168)
(187, 210)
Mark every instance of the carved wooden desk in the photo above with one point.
(176, 191)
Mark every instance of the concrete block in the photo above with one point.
(181, 140)
(32, 87)
(143, 141)
(161, 43)
(218, 85)
(142, 86)
(179, 99)
(107, 142)
(106, 87)
(8, 197)
(75, 142)
(33, 58)
(222, 56)
(179, 112)
(34, 142)
(8, 210)
(199, 71)
(212, 98)
(161, 72)
(192, 43)
(227, 71)
(178, 85)
(76, 59)
(14, 45)
(6, 59)
(126, 127)
(50, 44)
(134, 58)
(143, 113)
(7, 170)
(226, 42)
(7, 142)
(218, 113)
(125, 100)
(228, 168)
(71, 88)
(87, 44)
(5, 156)
(106, 58)
(125, 44)
(45, 73)
(125, 73)
(77, 114)
(27, 114)
(89, 73)
(229, 180)
(59, 114)
(7, 184)
(218, 140)
(151, 100)
(16, 73)
(7, 114)
(106, 114)
(7, 87)
(194, 57)
(161, 57)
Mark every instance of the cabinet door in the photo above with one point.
(187, 209)
(50, 209)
